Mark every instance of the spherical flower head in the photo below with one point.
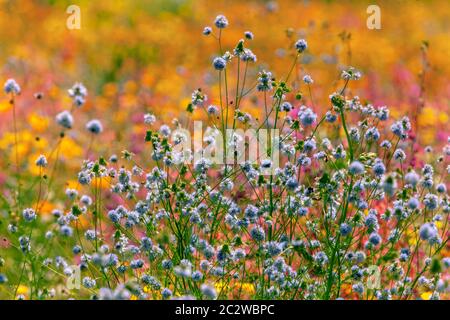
(90, 235)
(198, 97)
(307, 116)
(355, 168)
(345, 229)
(146, 243)
(197, 276)
(302, 211)
(71, 193)
(49, 235)
(441, 188)
(207, 31)
(84, 177)
(399, 155)
(65, 119)
(213, 110)
(3, 278)
(77, 90)
(136, 264)
(309, 145)
(79, 101)
(248, 35)
(330, 117)
(248, 56)
(166, 293)
(219, 63)
(221, 22)
(286, 106)
(301, 45)
(431, 201)
(274, 248)
(350, 74)
(354, 134)
(114, 216)
(165, 130)
(427, 170)
(412, 178)
(11, 86)
(264, 81)
(149, 118)
(339, 152)
(371, 221)
(226, 185)
(413, 203)
(378, 168)
(94, 126)
(446, 262)
(375, 238)
(321, 258)
(251, 212)
(24, 243)
(307, 79)
(266, 163)
(208, 291)
(427, 182)
(66, 231)
(386, 144)
(86, 200)
(258, 234)
(400, 128)
(41, 161)
(428, 231)
(382, 113)
(167, 264)
(89, 282)
(358, 288)
(372, 134)
(291, 183)
(29, 214)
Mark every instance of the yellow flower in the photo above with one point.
(45, 208)
(427, 117)
(443, 117)
(37, 122)
(121, 116)
(130, 87)
(72, 184)
(4, 106)
(247, 287)
(110, 89)
(220, 285)
(428, 136)
(411, 235)
(53, 92)
(69, 149)
(102, 182)
(22, 289)
(426, 295)
(184, 102)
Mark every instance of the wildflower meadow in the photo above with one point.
(229, 150)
